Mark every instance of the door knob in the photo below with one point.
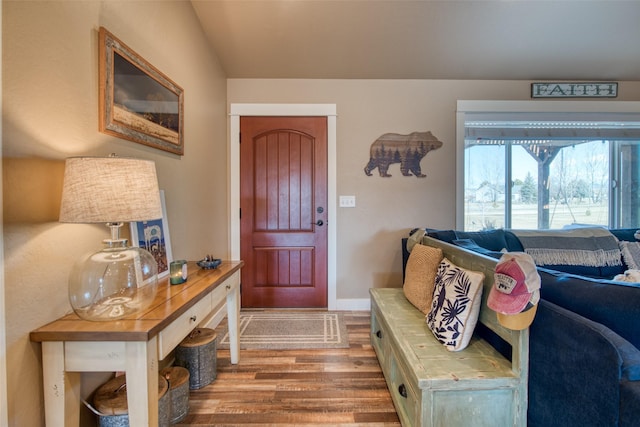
(319, 223)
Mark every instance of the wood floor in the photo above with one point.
(298, 387)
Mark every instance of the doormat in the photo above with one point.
(288, 331)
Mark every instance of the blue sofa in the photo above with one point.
(584, 345)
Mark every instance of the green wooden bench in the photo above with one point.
(431, 386)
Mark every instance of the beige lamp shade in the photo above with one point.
(109, 189)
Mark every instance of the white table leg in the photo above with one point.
(61, 388)
(233, 319)
(142, 382)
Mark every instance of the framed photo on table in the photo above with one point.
(136, 101)
(153, 236)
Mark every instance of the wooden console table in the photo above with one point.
(134, 344)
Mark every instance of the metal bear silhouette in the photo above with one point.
(408, 150)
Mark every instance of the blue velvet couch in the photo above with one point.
(584, 345)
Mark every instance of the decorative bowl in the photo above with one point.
(209, 263)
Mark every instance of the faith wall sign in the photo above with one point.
(575, 90)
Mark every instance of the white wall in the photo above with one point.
(50, 97)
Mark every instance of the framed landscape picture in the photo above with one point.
(138, 102)
(153, 236)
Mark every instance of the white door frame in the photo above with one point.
(327, 110)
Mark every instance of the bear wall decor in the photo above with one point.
(408, 150)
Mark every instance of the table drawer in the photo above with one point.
(219, 294)
(173, 334)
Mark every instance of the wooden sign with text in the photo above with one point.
(575, 90)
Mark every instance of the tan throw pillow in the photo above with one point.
(420, 276)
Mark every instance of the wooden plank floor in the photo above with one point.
(298, 387)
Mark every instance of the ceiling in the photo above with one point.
(425, 39)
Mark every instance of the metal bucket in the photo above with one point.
(110, 402)
(197, 353)
(178, 379)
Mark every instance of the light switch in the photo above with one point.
(347, 201)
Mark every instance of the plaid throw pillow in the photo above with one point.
(631, 254)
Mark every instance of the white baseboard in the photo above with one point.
(359, 304)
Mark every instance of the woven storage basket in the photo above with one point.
(178, 379)
(197, 353)
(110, 401)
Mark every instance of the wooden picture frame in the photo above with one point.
(136, 101)
(153, 236)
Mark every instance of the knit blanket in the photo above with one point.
(588, 246)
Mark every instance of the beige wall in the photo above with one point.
(50, 100)
(50, 112)
(368, 243)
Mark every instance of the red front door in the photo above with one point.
(283, 201)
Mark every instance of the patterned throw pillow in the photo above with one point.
(456, 305)
(420, 275)
(630, 254)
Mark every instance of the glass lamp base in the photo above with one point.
(113, 283)
(110, 308)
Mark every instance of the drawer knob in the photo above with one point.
(379, 334)
(193, 318)
(228, 287)
(402, 389)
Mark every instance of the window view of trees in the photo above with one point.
(553, 184)
(528, 189)
(546, 165)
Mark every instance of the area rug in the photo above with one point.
(289, 330)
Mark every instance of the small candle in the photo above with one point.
(178, 272)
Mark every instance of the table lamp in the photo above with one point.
(117, 280)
